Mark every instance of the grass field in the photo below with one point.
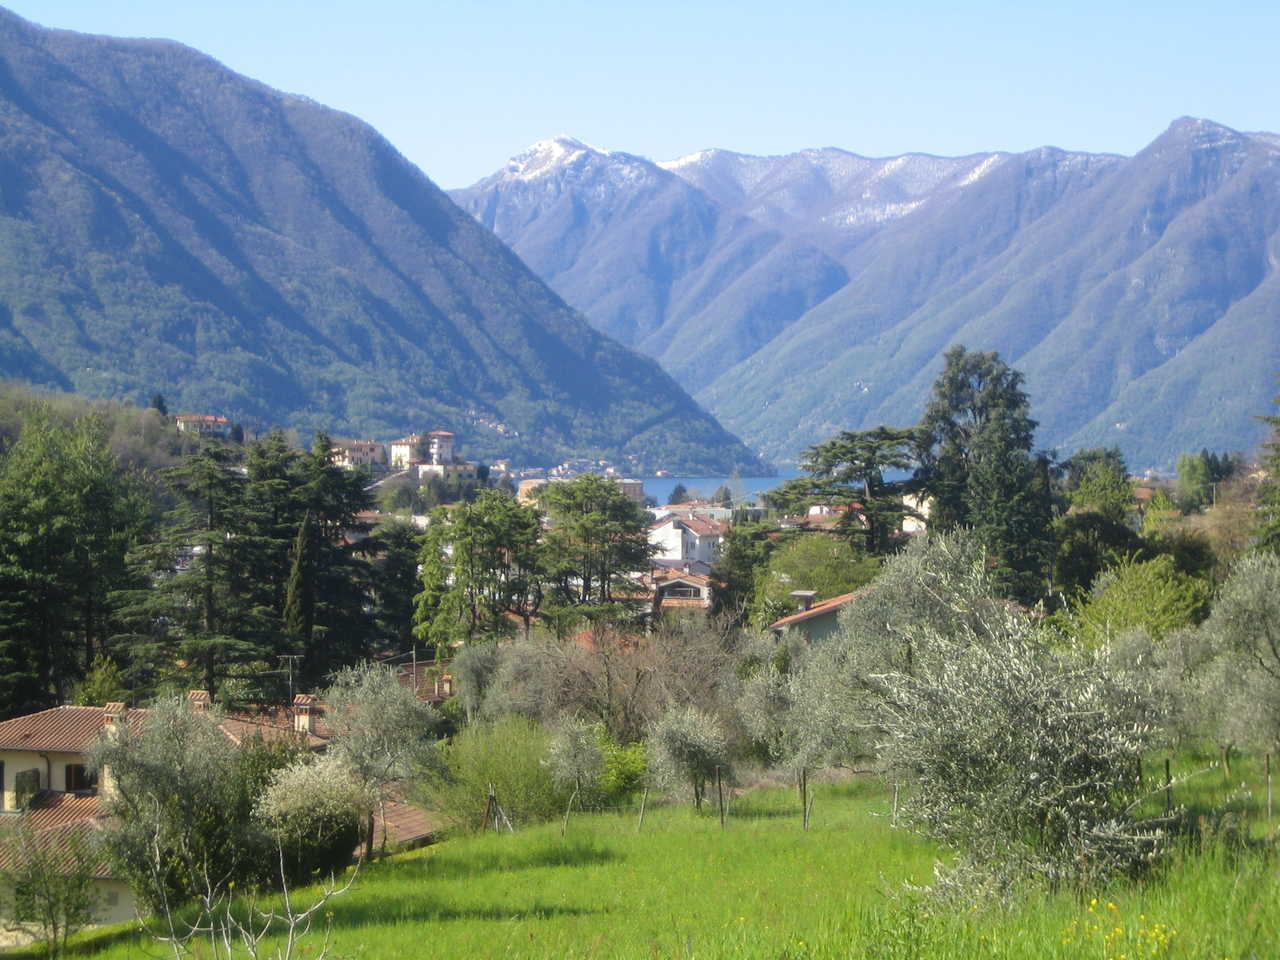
(763, 887)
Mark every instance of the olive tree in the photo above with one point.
(576, 760)
(1243, 631)
(690, 745)
(1025, 759)
(188, 837)
(575, 756)
(379, 729)
(46, 882)
(181, 809)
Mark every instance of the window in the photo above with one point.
(79, 778)
(24, 903)
(682, 590)
(26, 784)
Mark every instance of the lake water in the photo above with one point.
(743, 487)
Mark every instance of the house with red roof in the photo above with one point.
(814, 621)
(687, 537)
(45, 776)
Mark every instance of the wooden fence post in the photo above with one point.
(1168, 788)
(1268, 785)
(720, 795)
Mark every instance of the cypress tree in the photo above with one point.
(299, 604)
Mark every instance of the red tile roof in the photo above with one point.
(704, 527)
(662, 577)
(63, 729)
(406, 823)
(818, 609)
(58, 819)
(75, 729)
(239, 728)
(60, 809)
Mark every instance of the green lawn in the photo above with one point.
(763, 887)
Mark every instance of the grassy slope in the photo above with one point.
(764, 888)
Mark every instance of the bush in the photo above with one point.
(506, 754)
(1153, 595)
(626, 769)
(1023, 760)
(314, 809)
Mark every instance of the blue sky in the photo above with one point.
(459, 87)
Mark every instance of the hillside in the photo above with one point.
(167, 225)
(837, 890)
(1139, 295)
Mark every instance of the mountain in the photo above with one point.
(167, 225)
(653, 260)
(1138, 294)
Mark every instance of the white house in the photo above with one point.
(687, 538)
(403, 451)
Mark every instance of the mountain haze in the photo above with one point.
(1138, 294)
(168, 225)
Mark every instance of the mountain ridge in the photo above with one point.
(1093, 273)
(169, 225)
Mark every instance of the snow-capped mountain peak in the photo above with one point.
(545, 156)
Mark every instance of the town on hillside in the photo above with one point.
(288, 610)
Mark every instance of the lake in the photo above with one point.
(743, 487)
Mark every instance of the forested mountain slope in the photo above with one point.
(1137, 294)
(168, 225)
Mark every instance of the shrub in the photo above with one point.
(626, 769)
(1153, 595)
(314, 809)
(507, 755)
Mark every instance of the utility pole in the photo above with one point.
(289, 658)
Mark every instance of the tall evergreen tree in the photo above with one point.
(343, 633)
(68, 515)
(976, 466)
(480, 564)
(299, 604)
(851, 468)
(196, 613)
(394, 581)
(597, 535)
(1269, 493)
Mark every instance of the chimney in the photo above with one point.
(803, 599)
(304, 713)
(199, 700)
(114, 716)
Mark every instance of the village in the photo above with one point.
(459, 597)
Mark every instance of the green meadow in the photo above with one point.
(681, 886)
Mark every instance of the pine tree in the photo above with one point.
(195, 612)
(68, 515)
(976, 466)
